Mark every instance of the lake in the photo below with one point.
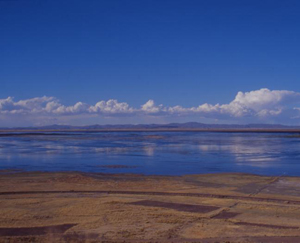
(152, 153)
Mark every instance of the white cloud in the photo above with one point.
(111, 107)
(34, 105)
(265, 98)
(258, 104)
(78, 108)
(149, 107)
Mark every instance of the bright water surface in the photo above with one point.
(161, 153)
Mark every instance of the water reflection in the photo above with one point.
(149, 150)
(154, 153)
(259, 149)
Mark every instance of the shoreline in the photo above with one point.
(220, 130)
(11, 171)
(232, 207)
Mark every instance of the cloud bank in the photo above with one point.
(257, 105)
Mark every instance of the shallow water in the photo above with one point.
(161, 153)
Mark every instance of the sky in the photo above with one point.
(149, 61)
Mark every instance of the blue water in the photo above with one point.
(160, 153)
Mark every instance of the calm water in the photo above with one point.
(163, 153)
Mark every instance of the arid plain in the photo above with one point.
(95, 207)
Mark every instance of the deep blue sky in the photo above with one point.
(184, 52)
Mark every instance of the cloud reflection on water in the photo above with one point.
(180, 152)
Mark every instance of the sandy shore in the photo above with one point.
(93, 207)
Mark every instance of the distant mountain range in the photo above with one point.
(170, 126)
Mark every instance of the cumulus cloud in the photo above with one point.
(257, 104)
(270, 102)
(111, 107)
(149, 107)
(34, 105)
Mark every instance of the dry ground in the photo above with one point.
(82, 207)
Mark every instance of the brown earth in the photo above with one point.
(94, 207)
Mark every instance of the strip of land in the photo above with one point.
(43, 132)
(94, 207)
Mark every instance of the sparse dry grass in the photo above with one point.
(99, 216)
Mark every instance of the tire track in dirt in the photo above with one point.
(152, 193)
